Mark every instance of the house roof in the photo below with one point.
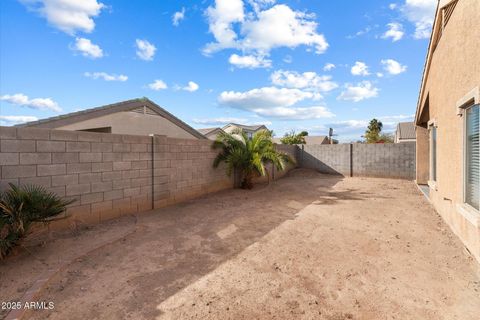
(242, 126)
(128, 105)
(405, 130)
(315, 139)
(436, 29)
(308, 139)
(207, 131)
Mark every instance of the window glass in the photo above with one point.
(472, 155)
(433, 153)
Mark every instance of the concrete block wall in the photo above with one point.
(184, 170)
(393, 160)
(110, 175)
(370, 160)
(327, 158)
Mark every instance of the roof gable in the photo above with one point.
(142, 105)
(406, 130)
(246, 127)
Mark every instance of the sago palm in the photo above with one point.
(20, 207)
(248, 155)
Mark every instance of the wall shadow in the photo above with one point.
(177, 245)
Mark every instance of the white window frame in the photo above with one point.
(469, 100)
(432, 183)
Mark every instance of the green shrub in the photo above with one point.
(22, 206)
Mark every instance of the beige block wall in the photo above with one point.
(454, 72)
(129, 122)
(109, 175)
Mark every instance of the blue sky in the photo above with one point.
(301, 65)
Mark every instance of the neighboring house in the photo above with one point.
(447, 120)
(319, 140)
(312, 140)
(405, 132)
(249, 130)
(210, 133)
(136, 117)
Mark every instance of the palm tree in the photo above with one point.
(248, 156)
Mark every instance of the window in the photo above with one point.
(433, 151)
(472, 156)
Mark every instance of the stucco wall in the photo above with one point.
(454, 72)
(129, 122)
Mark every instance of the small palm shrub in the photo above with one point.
(20, 207)
(248, 155)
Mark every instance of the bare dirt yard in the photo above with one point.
(308, 246)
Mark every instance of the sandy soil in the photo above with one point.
(308, 246)
(43, 252)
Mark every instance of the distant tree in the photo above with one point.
(386, 138)
(372, 134)
(294, 138)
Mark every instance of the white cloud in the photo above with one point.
(105, 76)
(145, 50)
(280, 26)
(37, 103)
(395, 31)
(266, 97)
(361, 91)
(262, 30)
(191, 87)
(400, 117)
(219, 121)
(392, 6)
(221, 18)
(13, 120)
(158, 85)
(310, 81)
(301, 113)
(249, 61)
(360, 69)
(362, 32)
(379, 74)
(178, 16)
(421, 13)
(349, 126)
(87, 48)
(359, 126)
(328, 67)
(257, 5)
(393, 67)
(288, 59)
(69, 16)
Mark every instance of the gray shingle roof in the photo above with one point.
(206, 131)
(68, 118)
(405, 130)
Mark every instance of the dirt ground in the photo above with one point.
(308, 246)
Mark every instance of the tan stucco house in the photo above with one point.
(249, 130)
(447, 120)
(135, 117)
(405, 132)
(313, 140)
